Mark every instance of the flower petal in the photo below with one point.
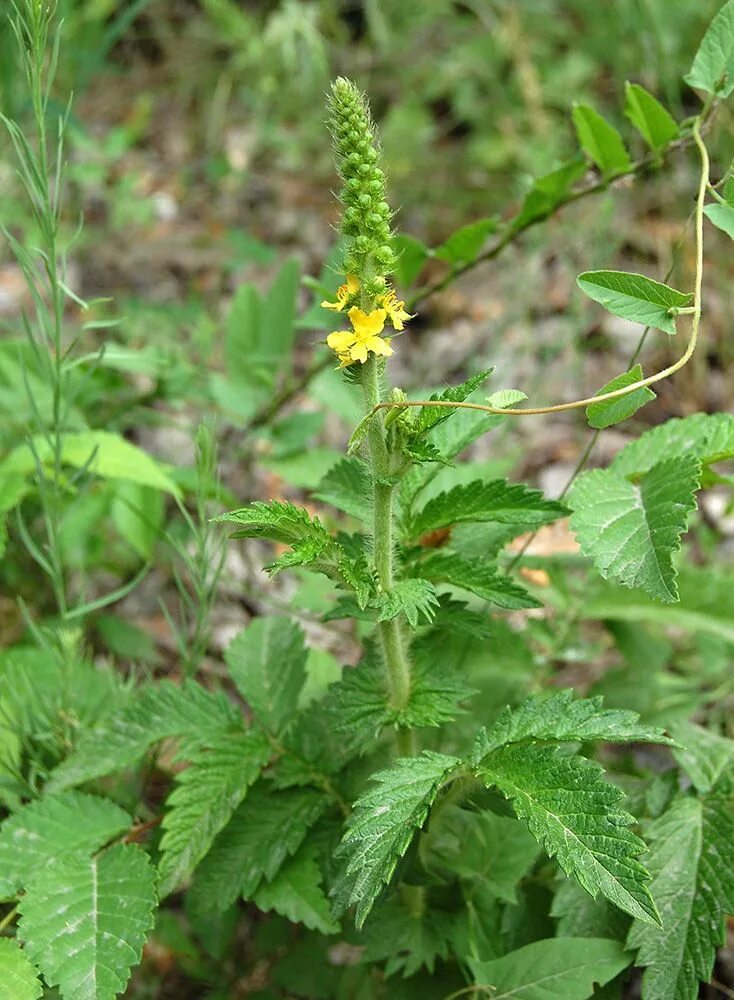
(359, 352)
(352, 284)
(340, 341)
(367, 324)
(379, 346)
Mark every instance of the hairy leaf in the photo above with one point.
(207, 793)
(692, 863)
(475, 575)
(156, 712)
(613, 411)
(416, 599)
(635, 297)
(84, 920)
(704, 755)
(382, 826)
(431, 416)
(280, 522)
(580, 915)
(575, 815)
(654, 123)
(54, 827)
(566, 968)
(296, 893)
(347, 486)
(709, 437)
(407, 941)
(497, 501)
(632, 530)
(267, 662)
(601, 142)
(713, 65)
(18, 977)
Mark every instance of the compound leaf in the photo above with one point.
(635, 297)
(84, 920)
(632, 530)
(296, 893)
(416, 599)
(474, 575)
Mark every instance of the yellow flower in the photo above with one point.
(355, 345)
(395, 309)
(343, 294)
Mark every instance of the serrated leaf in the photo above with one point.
(635, 297)
(704, 755)
(561, 718)
(567, 968)
(496, 500)
(463, 245)
(709, 437)
(632, 530)
(575, 816)
(156, 712)
(267, 662)
(265, 829)
(296, 893)
(407, 941)
(431, 416)
(722, 216)
(477, 576)
(601, 142)
(84, 920)
(580, 915)
(54, 827)
(382, 825)
(692, 863)
(416, 599)
(348, 487)
(654, 123)
(207, 793)
(18, 977)
(548, 192)
(424, 451)
(713, 65)
(280, 522)
(614, 411)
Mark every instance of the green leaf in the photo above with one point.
(102, 453)
(722, 217)
(281, 522)
(54, 827)
(382, 825)
(632, 530)
(156, 712)
(416, 599)
(704, 755)
(579, 915)
(84, 920)
(475, 575)
(207, 793)
(635, 297)
(497, 501)
(463, 245)
(407, 941)
(575, 815)
(548, 192)
(412, 255)
(601, 142)
(504, 398)
(18, 977)
(267, 662)
(266, 829)
(561, 718)
(614, 411)
(567, 968)
(692, 863)
(709, 437)
(348, 487)
(713, 65)
(431, 416)
(296, 893)
(654, 123)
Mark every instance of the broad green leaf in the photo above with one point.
(137, 513)
(704, 755)
(561, 718)
(562, 968)
(267, 828)
(154, 713)
(84, 920)
(692, 864)
(412, 255)
(416, 599)
(713, 65)
(18, 976)
(54, 827)
(475, 575)
(348, 487)
(707, 436)
(575, 815)
(504, 398)
(722, 217)
(207, 793)
(464, 245)
(496, 500)
(632, 530)
(579, 915)
(635, 297)
(407, 941)
(103, 453)
(547, 193)
(654, 123)
(382, 825)
(267, 662)
(614, 411)
(601, 142)
(296, 893)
